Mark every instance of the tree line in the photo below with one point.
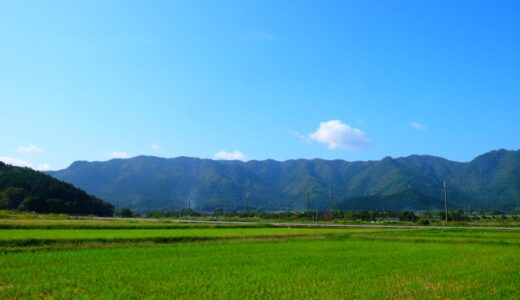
(24, 189)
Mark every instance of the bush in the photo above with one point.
(30, 204)
(13, 197)
(126, 213)
(423, 222)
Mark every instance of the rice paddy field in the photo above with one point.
(118, 259)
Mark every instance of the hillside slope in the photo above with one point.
(28, 190)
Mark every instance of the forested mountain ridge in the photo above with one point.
(490, 181)
(28, 190)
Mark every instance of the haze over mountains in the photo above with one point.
(490, 181)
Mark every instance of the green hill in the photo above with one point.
(28, 190)
(490, 181)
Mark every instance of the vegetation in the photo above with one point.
(410, 183)
(259, 262)
(125, 212)
(435, 218)
(24, 189)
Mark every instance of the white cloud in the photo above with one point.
(225, 155)
(156, 147)
(119, 154)
(418, 126)
(30, 149)
(338, 135)
(15, 161)
(43, 167)
(22, 163)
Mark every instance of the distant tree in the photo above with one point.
(39, 192)
(126, 212)
(453, 215)
(218, 211)
(423, 221)
(407, 216)
(187, 212)
(456, 215)
(13, 197)
(31, 203)
(56, 206)
(364, 215)
(2, 201)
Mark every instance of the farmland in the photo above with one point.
(144, 259)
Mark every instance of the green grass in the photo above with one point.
(264, 262)
(299, 269)
(89, 223)
(19, 238)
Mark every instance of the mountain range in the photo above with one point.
(490, 181)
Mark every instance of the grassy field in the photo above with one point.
(207, 261)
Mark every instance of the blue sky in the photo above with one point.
(354, 80)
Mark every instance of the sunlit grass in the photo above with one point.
(19, 239)
(326, 269)
(200, 261)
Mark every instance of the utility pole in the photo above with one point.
(247, 203)
(173, 203)
(329, 216)
(330, 200)
(446, 201)
(308, 203)
(148, 208)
